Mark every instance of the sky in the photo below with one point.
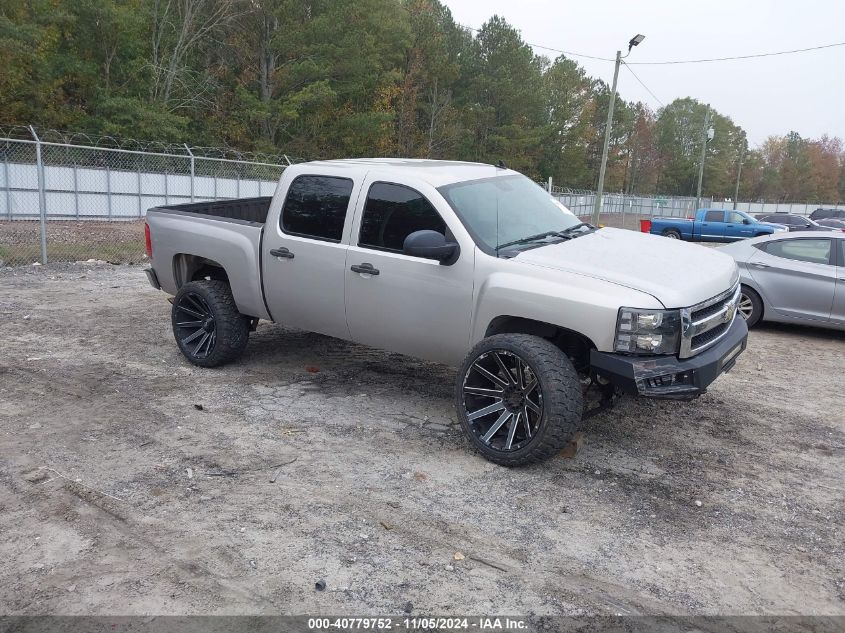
(804, 92)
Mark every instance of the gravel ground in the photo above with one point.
(132, 482)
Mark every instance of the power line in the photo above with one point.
(554, 50)
(677, 61)
(643, 85)
(725, 59)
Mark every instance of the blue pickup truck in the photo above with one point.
(714, 225)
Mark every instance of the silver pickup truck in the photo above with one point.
(466, 264)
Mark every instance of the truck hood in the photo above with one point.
(676, 273)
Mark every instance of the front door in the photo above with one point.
(736, 228)
(304, 255)
(400, 303)
(797, 276)
(837, 314)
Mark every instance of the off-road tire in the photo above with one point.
(756, 306)
(561, 395)
(231, 328)
(672, 234)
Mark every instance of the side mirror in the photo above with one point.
(746, 221)
(431, 245)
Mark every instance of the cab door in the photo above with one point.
(410, 305)
(304, 253)
(712, 226)
(736, 228)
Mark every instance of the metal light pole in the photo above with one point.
(704, 138)
(635, 41)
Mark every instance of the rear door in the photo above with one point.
(837, 313)
(713, 226)
(409, 305)
(797, 276)
(304, 253)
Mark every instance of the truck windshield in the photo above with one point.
(507, 209)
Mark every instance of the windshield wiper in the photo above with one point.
(565, 233)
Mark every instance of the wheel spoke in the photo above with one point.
(190, 324)
(526, 391)
(492, 408)
(191, 312)
(512, 430)
(205, 337)
(533, 405)
(489, 375)
(527, 422)
(193, 336)
(496, 426)
(480, 391)
(504, 368)
(197, 304)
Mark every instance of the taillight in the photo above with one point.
(147, 241)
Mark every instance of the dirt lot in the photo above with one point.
(119, 494)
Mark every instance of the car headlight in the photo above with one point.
(648, 331)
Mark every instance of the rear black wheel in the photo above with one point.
(672, 234)
(207, 326)
(518, 398)
(750, 306)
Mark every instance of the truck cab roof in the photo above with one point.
(437, 173)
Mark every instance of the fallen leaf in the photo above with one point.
(386, 526)
(459, 556)
(420, 476)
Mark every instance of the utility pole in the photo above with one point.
(635, 41)
(738, 175)
(704, 134)
(603, 168)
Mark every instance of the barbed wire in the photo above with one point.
(106, 142)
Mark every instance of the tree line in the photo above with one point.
(345, 78)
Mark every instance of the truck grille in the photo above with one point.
(705, 323)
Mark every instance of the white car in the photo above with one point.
(795, 277)
(461, 263)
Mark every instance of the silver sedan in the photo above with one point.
(792, 278)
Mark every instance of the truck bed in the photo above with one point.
(244, 209)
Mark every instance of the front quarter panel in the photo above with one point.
(588, 306)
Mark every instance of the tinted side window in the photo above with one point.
(714, 216)
(735, 218)
(316, 207)
(813, 251)
(392, 213)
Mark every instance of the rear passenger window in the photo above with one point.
(813, 251)
(392, 213)
(316, 207)
(714, 216)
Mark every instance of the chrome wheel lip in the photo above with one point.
(197, 329)
(503, 417)
(745, 307)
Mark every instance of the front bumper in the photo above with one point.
(667, 376)
(152, 278)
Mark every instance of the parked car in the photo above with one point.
(832, 223)
(794, 278)
(793, 222)
(824, 214)
(461, 263)
(714, 225)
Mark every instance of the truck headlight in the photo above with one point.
(648, 331)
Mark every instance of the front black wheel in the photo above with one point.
(518, 399)
(207, 326)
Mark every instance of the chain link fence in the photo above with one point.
(64, 201)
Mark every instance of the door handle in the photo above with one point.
(365, 268)
(760, 265)
(281, 252)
